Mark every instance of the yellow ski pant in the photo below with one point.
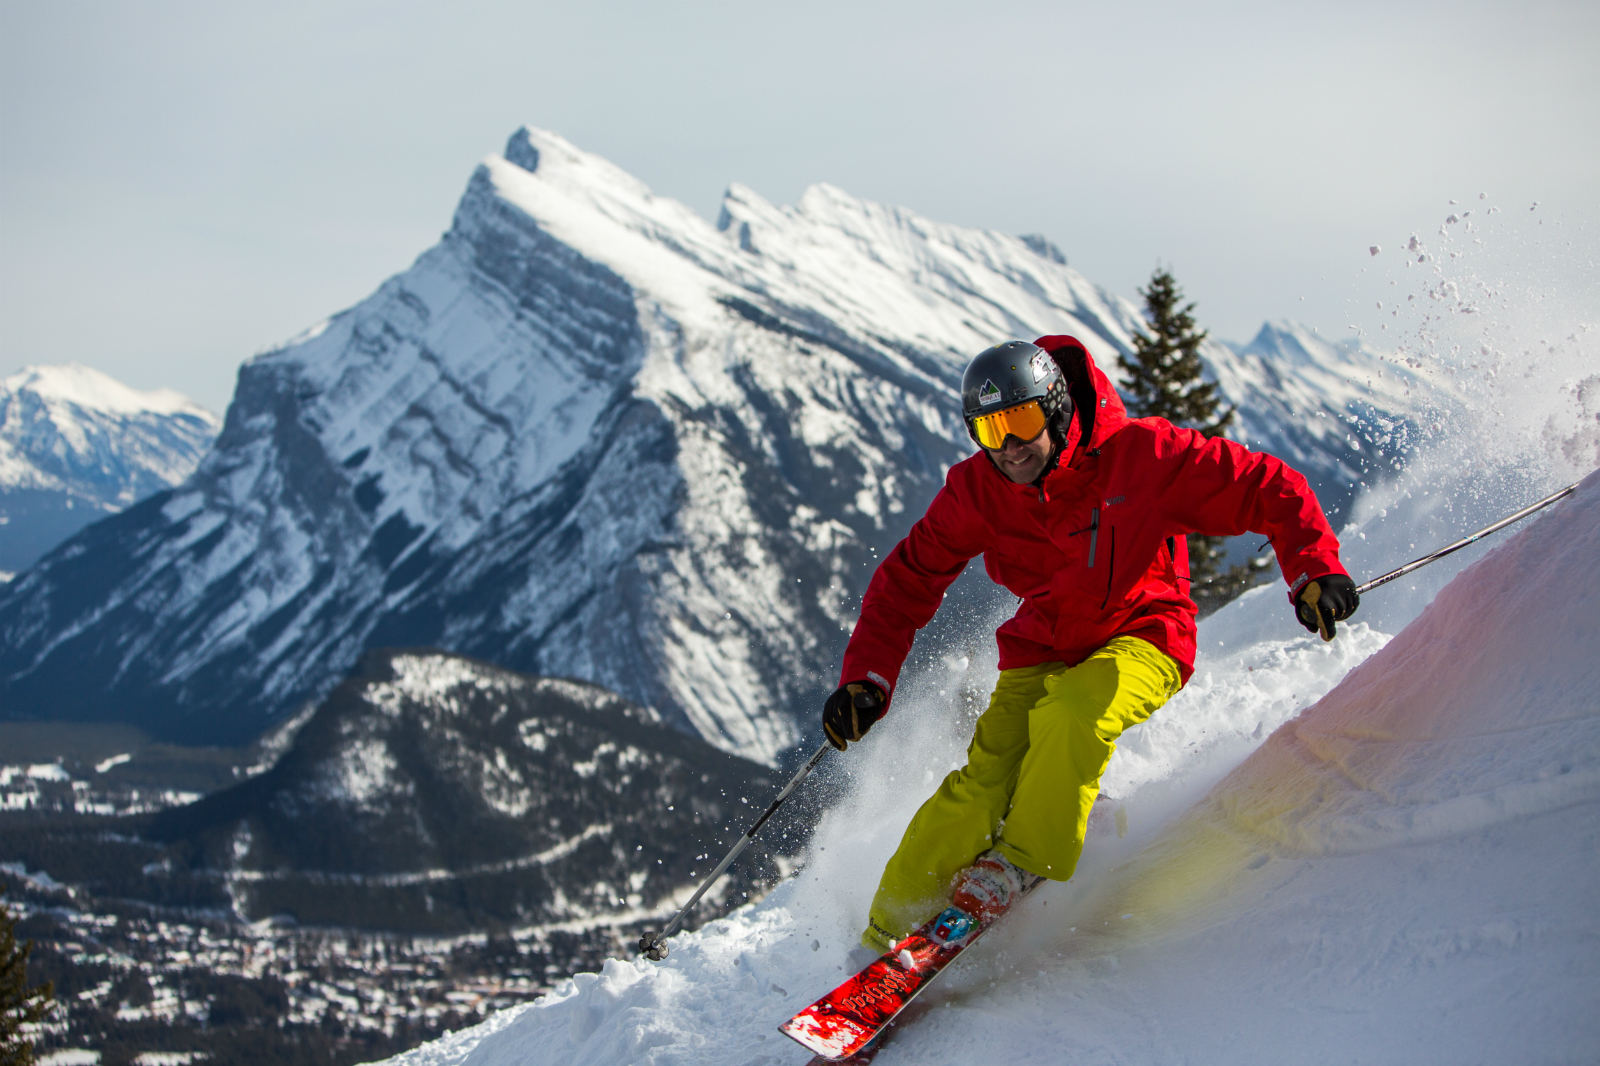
(1035, 762)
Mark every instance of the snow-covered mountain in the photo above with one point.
(1401, 872)
(432, 794)
(590, 434)
(77, 444)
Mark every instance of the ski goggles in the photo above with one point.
(1025, 422)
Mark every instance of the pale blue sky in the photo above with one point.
(183, 183)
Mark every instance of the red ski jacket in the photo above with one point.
(1097, 549)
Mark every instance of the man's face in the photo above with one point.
(1021, 461)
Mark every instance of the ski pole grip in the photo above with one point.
(1310, 596)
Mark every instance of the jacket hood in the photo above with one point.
(1098, 410)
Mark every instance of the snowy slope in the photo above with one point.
(1401, 873)
(76, 445)
(588, 434)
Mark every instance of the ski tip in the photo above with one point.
(831, 1037)
(858, 1058)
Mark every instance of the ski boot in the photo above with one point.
(987, 888)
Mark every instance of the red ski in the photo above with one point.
(841, 1025)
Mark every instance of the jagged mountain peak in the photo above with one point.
(876, 269)
(1291, 341)
(521, 150)
(1043, 246)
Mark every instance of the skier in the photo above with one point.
(1081, 512)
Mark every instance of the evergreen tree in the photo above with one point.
(1163, 380)
(1164, 373)
(20, 1007)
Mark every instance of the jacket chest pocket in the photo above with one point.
(1087, 581)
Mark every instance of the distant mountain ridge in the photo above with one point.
(76, 445)
(430, 793)
(590, 434)
(1342, 413)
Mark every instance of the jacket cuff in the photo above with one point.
(1320, 571)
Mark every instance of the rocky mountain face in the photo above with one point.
(77, 445)
(430, 793)
(590, 434)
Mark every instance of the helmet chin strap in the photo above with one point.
(1049, 465)
(1057, 446)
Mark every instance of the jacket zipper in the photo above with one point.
(1094, 533)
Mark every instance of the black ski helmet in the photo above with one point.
(1010, 374)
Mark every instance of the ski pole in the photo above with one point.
(654, 945)
(1417, 564)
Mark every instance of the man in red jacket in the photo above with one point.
(1082, 513)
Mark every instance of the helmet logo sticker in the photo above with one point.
(1040, 363)
(988, 394)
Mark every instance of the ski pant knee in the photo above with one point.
(1073, 732)
(1034, 764)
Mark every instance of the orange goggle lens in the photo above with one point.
(1025, 422)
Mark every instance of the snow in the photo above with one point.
(363, 775)
(429, 679)
(48, 772)
(86, 387)
(70, 1057)
(1402, 871)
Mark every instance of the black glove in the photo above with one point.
(850, 712)
(1329, 599)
